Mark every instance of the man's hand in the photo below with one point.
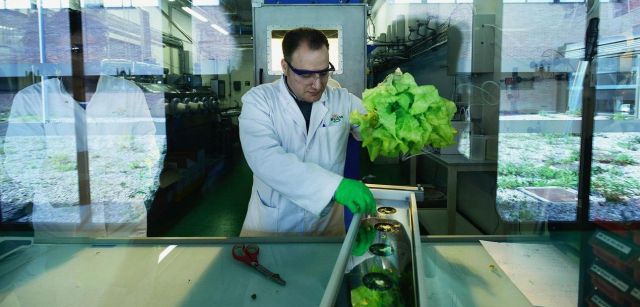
(355, 196)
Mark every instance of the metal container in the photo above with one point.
(379, 264)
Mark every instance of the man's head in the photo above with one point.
(306, 62)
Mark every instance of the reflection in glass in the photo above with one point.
(541, 109)
(40, 156)
(539, 139)
(49, 131)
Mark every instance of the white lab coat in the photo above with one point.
(125, 157)
(295, 172)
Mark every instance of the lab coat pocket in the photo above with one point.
(264, 195)
(331, 147)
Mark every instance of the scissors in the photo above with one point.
(249, 255)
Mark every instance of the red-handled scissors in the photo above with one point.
(249, 255)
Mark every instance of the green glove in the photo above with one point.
(355, 196)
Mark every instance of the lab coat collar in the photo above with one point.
(317, 112)
(291, 106)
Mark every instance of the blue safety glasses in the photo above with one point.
(308, 75)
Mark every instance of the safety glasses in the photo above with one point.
(309, 75)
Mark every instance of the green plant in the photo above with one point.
(511, 182)
(553, 138)
(624, 159)
(598, 169)
(403, 117)
(632, 143)
(5, 179)
(136, 165)
(577, 113)
(619, 116)
(4, 117)
(513, 175)
(526, 214)
(544, 113)
(62, 163)
(629, 146)
(615, 188)
(573, 156)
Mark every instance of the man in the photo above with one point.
(294, 137)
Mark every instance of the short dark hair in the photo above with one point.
(314, 39)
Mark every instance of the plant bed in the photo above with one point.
(537, 161)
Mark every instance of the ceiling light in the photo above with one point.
(219, 29)
(194, 13)
(18, 4)
(206, 2)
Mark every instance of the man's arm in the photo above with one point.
(306, 184)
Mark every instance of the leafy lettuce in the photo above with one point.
(403, 117)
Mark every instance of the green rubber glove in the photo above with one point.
(356, 196)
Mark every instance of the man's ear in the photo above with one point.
(284, 66)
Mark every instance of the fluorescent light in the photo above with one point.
(194, 13)
(139, 3)
(95, 3)
(19, 4)
(206, 2)
(55, 4)
(165, 252)
(219, 29)
(112, 3)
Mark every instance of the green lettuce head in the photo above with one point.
(404, 117)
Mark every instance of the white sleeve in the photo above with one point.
(356, 104)
(306, 184)
(24, 145)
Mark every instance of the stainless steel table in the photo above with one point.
(456, 164)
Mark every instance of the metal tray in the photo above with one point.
(380, 260)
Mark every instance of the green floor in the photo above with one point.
(221, 211)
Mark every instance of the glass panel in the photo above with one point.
(163, 89)
(83, 160)
(615, 177)
(119, 119)
(539, 140)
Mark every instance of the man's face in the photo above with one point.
(307, 87)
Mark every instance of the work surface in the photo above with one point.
(203, 273)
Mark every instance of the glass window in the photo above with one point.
(122, 119)
(515, 72)
(118, 116)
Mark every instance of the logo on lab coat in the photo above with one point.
(336, 118)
